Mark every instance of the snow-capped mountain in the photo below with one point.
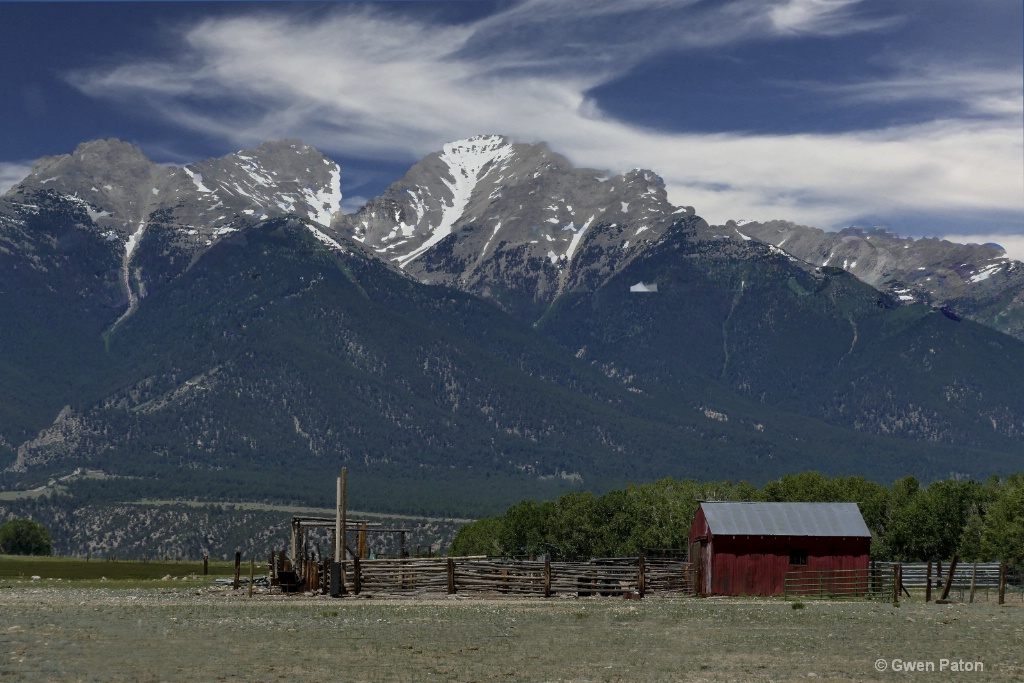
(977, 281)
(222, 320)
(122, 188)
(510, 221)
(125, 197)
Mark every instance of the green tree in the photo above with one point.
(25, 537)
(481, 537)
(1003, 535)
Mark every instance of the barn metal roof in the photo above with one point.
(785, 519)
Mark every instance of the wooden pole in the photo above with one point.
(252, 574)
(949, 579)
(640, 583)
(897, 581)
(974, 579)
(206, 564)
(238, 564)
(928, 583)
(547, 575)
(294, 554)
(357, 578)
(451, 576)
(337, 524)
(344, 526)
(1002, 582)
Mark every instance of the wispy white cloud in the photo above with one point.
(979, 89)
(12, 173)
(361, 82)
(824, 17)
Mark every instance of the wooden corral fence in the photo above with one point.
(504, 576)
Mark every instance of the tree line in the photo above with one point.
(976, 520)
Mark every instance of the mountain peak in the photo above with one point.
(490, 215)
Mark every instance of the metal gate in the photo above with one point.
(842, 584)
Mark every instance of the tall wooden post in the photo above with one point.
(357, 578)
(451, 576)
(897, 582)
(295, 549)
(547, 575)
(206, 564)
(344, 526)
(974, 579)
(928, 583)
(337, 524)
(640, 582)
(252, 574)
(1002, 582)
(238, 565)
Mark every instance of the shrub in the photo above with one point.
(25, 537)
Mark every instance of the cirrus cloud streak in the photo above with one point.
(366, 83)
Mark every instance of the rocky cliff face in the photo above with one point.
(974, 281)
(514, 223)
(161, 219)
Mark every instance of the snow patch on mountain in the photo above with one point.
(197, 179)
(325, 203)
(466, 160)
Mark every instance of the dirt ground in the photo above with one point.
(191, 631)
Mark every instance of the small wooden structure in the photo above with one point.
(751, 548)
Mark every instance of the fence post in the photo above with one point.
(897, 581)
(547, 575)
(206, 564)
(252, 573)
(238, 564)
(974, 579)
(641, 584)
(949, 579)
(357, 575)
(928, 583)
(451, 576)
(335, 579)
(1002, 582)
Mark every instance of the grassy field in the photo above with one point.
(191, 630)
(74, 569)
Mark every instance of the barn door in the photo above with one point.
(700, 556)
(695, 562)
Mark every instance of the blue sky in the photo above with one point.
(902, 113)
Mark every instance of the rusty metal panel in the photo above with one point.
(783, 519)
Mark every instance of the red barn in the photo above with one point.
(748, 548)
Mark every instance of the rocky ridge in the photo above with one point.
(976, 281)
(514, 223)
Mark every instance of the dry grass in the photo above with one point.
(53, 631)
